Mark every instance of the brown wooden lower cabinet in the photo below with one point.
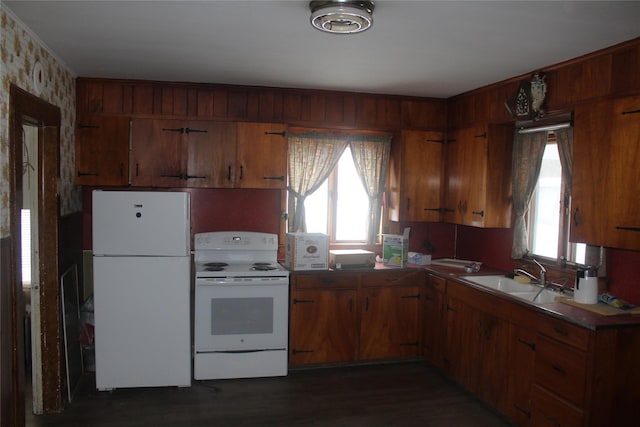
(536, 367)
(347, 316)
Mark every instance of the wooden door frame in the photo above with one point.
(27, 108)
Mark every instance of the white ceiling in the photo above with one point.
(421, 48)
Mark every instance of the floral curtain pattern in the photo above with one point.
(371, 158)
(312, 157)
(564, 139)
(528, 150)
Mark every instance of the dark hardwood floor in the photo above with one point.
(400, 394)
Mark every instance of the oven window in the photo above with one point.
(230, 316)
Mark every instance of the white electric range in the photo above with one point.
(241, 306)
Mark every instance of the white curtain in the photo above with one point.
(312, 157)
(371, 158)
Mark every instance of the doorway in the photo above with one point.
(37, 123)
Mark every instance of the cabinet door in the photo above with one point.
(474, 182)
(262, 156)
(589, 200)
(623, 215)
(460, 342)
(389, 322)
(158, 153)
(432, 325)
(491, 379)
(454, 177)
(323, 326)
(211, 154)
(102, 151)
(522, 355)
(416, 177)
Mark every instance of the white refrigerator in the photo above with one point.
(142, 274)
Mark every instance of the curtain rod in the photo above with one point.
(547, 128)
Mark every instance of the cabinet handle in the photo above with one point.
(433, 209)
(441, 141)
(283, 133)
(576, 219)
(241, 171)
(189, 130)
(481, 135)
(296, 351)
(417, 296)
(619, 227)
(303, 301)
(229, 174)
(275, 178)
(87, 174)
(526, 412)
(631, 112)
(481, 213)
(180, 130)
(531, 345)
(558, 369)
(560, 330)
(81, 126)
(366, 304)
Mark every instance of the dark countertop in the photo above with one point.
(570, 313)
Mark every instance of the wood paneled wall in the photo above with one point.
(613, 71)
(244, 103)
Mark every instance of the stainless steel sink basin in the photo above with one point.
(524, 291)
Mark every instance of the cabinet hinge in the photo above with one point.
(631, 112)
(481, 135)
(417, 296)
(296, 351)
(303, 301)
(80, 174)
(441, 141)
(628, 228)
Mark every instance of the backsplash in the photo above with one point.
(20, 51)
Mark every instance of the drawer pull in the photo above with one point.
(303, 301)
(531, 345)
(561, 331)
(417, 296)
(526, 412)
(296, 351)
(558, 369)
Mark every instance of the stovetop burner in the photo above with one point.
(216, 264)
(263, 266)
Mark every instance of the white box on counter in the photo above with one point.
(418, 258)
(307, 251)
(344, 259)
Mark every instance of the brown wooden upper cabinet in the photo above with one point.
(415, 176)
(102, 150)
(478, 176)
(261, 156)
(175, 153)
(208, 154)
(606, 155)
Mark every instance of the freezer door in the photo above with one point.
(141, 223)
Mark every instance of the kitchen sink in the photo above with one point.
(524, 291)
(501, 283)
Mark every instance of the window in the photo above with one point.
(549, 212)
(341, 205)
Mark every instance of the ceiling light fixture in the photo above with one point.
(341, 17)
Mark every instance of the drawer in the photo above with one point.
(564, 332)
(393, 278)
(550, 411)
(561, 369)
(325, 280)
(438, 283)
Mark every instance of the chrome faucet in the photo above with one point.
(543, 273)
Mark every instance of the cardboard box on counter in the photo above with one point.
(395, 249)
(307, 251)
(418, 258)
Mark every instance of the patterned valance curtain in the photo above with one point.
(528, 150)
(312, 157)
(371, 157)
